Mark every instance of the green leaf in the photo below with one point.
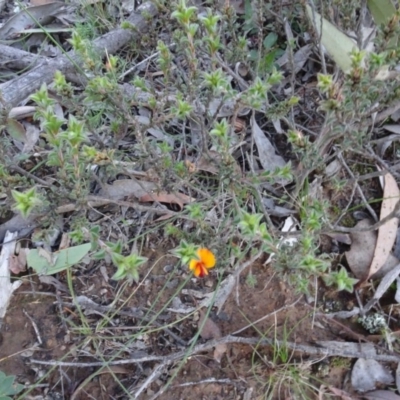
(338, 45)
(16, 130)
(8, 386)
(119, 274)
(270, 40)
(51, 263)
(382, 10)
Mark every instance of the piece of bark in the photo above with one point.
(20, 88)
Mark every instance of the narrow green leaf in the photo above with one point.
(338, 45)
(58, 261)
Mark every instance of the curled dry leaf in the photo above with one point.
(387, 232)
(17, 262)
(210, 330)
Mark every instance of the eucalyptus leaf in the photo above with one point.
(338, 45)
(382, 10)
(49, 264)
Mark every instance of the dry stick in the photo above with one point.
(320, 349)
(206, 381)
(34, 327)
(360, 192)
(19, 59)
(384, 284)
(96, 201)
(107, 309)
(21, 171)
(153, 376)
(23, 60)
(384, 114)
(380, 160)
(18, 89)
(393, 214)
(349, 203)
(91, 202)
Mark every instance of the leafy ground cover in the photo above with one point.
(199, 200)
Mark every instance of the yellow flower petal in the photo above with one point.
(207, 257)
(193, 265)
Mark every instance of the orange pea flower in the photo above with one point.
(201, 266)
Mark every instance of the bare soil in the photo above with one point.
(243, 372)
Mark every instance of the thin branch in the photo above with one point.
(360, 192)
(153, 376)
(321, 348)
(34, 327)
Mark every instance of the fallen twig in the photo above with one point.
(321, 348)
(21, 87)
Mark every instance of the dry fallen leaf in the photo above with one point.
(381, 395)
(32, 136)
(366, 374)
(17, 263)
(163, 197)
(27, 18)
(266, 151)
(41, 2)
(237, 5)
(387, 232)
(206, 164)
(21, 112)
(127, 187)
(360, 255)
(64, 243)
(209, 162)
(210, 330)
(362, 250)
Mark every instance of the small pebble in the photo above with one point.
(172, 284)
(209, 283)
(168, 268)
